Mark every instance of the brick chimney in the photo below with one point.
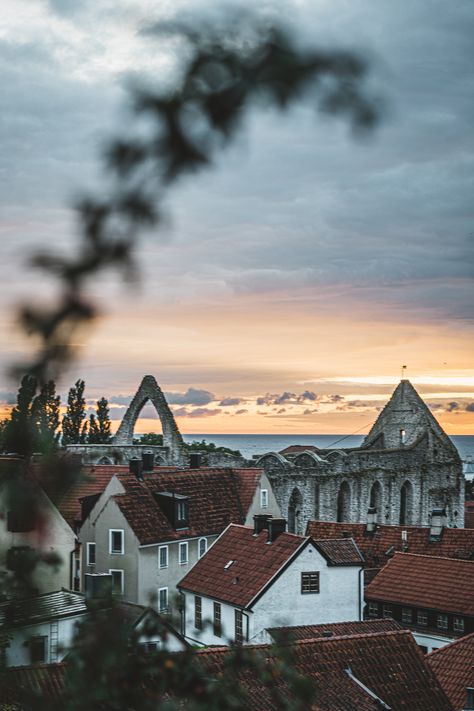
(260, 523)
(276, 526)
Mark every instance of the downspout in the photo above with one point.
(361, 573)
(183, 613)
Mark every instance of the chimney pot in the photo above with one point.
(371, 520)
(148, 462)
(135, 466)
(194, 460)
(260, 523)
(276, 526)
(438, 522)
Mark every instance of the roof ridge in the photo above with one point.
(449, 646)
(435, 557)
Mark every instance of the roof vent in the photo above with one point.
(276, 526)
(327, 633)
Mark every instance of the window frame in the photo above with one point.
(90, 545)
(201, 540)
(239, 627)
(310, 582)
(373, 609)
(122, 580)
(197, 612)
(165, 609)
(442, 617)
(387, 611)
(217, 619)
(407, 615)
(166, 549)
(183, 546)
(422, 618)
(111, 537)
(35, 639)
(264, 498)
(458, 624)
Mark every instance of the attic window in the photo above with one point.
(403, 436)
(228, 564)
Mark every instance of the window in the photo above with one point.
(422, 618)
(163, 600)
(373, 609)
(117, 581)
(181, 514)
(148, 647)
(198, 612)
(407, 615)
(239, 627)
(309, 583)
(264, 499)
(202, 547)
(163, 556)
(217, 626)
(116, 541)
(442, 622)
(403, 436)
(387, 611)
(38, 649)
(458, 624)
(90, 553)
(183, 553)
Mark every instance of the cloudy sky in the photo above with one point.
(295, 278)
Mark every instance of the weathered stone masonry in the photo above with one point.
(406, 467)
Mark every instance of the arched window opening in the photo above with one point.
(344, 503)
(406, 503)
(375, 499)
(295, 513)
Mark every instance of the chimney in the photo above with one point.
(275, 527)
(135, 466)
(438, 522)
(469, 704)
(98, 589)
(371, 520)
(148, 462)
(194, 460)
(260, 523)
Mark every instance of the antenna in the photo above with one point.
(403, 371)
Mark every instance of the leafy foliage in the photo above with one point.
(210, 447)
(150, 438)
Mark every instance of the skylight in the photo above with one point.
(228, 564)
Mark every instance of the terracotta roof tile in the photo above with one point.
(334, 629)
(49, 606)
(341, 551)
(389, 665)
(41, 680)
(379, 547)
(217, 497)
(453, 667)
(469, 514)
(240, 564)
(442, 584)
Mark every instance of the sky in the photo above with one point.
(294, 279)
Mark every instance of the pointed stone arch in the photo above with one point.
(344, 500)
(295, 513)
(149, 390)
(406, 503)
(376, 499)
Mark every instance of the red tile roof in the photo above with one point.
(453, 667)
(41, 680)
(348, 673)
(443, 584)
(253, 563)
(333, 629)
(217, 497)
(469, 514)
(379, 547)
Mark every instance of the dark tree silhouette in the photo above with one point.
(74, 425)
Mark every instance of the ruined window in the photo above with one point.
(403, 436)
(309, 583)
(116, 542)
(197, 612)
(217, 621)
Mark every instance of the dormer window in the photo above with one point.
(175, 507)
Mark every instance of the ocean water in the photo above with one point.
(252, 444)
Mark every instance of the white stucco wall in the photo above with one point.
(18, 651)
(284, 604)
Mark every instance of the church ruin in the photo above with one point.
(406, 467)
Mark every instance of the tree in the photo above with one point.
(210, 447)
(74, 426)
(45, 411)
(99, 424)
(151, 438)
(3, 434)
(20, 435)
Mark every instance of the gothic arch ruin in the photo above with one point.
(344, 502)
(295, 517)
(149, 390)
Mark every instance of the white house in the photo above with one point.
(256, 578)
